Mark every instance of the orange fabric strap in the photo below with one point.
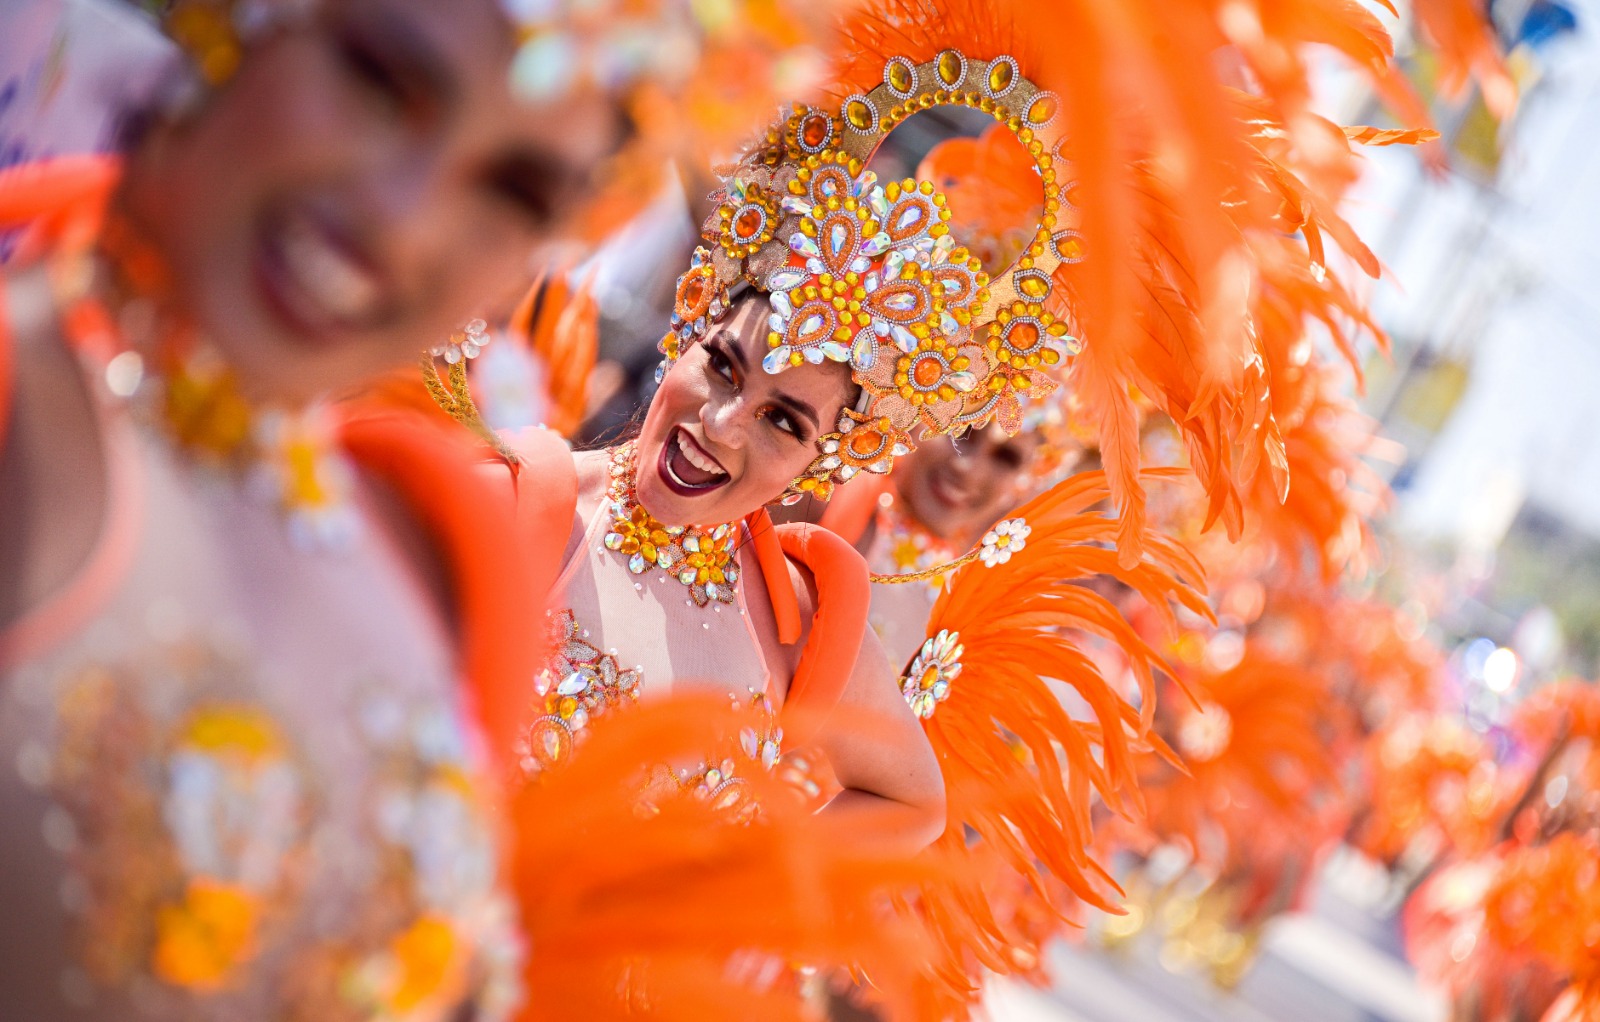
(775, 569)
(494, 567)
(829, 659)
(62, 200)
(850, 511)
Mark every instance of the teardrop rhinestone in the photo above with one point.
(863, 353)
(776, 360)
(784, 279)
(838, 236)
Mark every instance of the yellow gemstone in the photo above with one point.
(1001, 76)
(859, 114)
(900, 76)
(950, 69)
(1043, 108)
(1034, 286)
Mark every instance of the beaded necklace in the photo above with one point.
(155, 362)
(701, 559)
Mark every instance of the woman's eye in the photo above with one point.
(371, 70)
(384, 78)
(720, 364)
(782, 420)
(523, 192)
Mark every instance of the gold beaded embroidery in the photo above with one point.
(722, 782)
(579, 684)
(702, 559)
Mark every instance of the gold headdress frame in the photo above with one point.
(996, 87)
(856, 271)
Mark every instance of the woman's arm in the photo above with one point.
(52, 466)
(893, 798)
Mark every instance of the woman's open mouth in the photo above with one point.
(313, 276)
(686, 468)
(946, 493)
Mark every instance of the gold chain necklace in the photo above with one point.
(702, 559)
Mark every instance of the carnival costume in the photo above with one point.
(207, 748)
(1161, 262)
(252, 771)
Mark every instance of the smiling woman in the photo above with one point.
(673, 567)
(239, 625)
(723, 437)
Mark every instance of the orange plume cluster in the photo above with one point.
(1021, 772)
(673, 910)
(1201, 209)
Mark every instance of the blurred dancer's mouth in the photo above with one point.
(314, 277)
(949, 494)
(686, 468)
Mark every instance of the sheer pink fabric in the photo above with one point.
(650, 623)
(900, 612)
(238, 783)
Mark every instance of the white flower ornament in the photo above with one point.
(1005, 539)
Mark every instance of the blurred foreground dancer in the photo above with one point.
(252, 649)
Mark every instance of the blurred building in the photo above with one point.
(1495, 319)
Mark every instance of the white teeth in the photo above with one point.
(698, 461)
(325, 275)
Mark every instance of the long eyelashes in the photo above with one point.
(721, 366)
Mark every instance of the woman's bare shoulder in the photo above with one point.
(594, 477)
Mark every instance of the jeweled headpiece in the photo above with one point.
(867, 274)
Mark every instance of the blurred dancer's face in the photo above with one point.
(362, 185)
(723, 437)
(957, 488)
